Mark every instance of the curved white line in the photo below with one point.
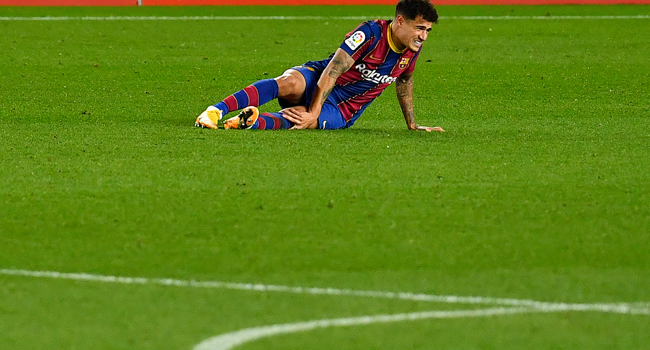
(230, 340)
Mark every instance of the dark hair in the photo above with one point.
(410, 9)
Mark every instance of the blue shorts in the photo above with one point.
(330, 115)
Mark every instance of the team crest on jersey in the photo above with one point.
(404, 62)
(356, 39)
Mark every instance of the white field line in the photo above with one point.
(620, 308)
(181, 18)
(230, 340)
(296, 18)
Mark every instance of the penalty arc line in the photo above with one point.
(230, 340)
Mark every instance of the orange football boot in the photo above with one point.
(244, 120)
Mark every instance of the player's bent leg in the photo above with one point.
(291, 87)
(255, 95)
(251, 118)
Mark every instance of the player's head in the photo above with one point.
(411, 9)
(412, 24)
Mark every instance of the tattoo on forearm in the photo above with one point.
(404, 90)
(338, 68)
(339, 65)
(326, 93)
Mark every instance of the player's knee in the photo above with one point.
(290, 84)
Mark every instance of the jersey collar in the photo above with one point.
(390, 40)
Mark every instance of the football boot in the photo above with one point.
(244, 120)
(209, 118)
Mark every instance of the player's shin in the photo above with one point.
(271, 121)
(256, 94)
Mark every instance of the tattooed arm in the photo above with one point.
(340, 63)
(404, 90)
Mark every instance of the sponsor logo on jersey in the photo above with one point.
(374, 76)
(356, 39)
(404, 62)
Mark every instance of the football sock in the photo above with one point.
(256, 95)
(271, 121)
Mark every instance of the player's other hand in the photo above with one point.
(431, 128)
(300, 118)
(413, 126)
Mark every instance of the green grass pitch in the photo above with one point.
(539, 190)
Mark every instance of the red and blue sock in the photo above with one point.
(271, 121)
(256, 95)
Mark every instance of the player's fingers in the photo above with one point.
(294, 118)
(437, 128)
(297, 127)
(293, 113)
(291, 118)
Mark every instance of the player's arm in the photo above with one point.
(341, 62)
(404, 90)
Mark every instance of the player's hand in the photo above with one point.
(430, 128)
(300, 117)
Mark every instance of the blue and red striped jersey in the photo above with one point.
(377, 64)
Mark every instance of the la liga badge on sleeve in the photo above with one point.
(356, 39)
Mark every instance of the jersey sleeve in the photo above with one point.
(356, 43)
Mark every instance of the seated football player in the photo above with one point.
(333, 93)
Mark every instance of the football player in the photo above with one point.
(333, 93)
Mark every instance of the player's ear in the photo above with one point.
(399, 20)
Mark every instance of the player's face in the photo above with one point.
(412, 33)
